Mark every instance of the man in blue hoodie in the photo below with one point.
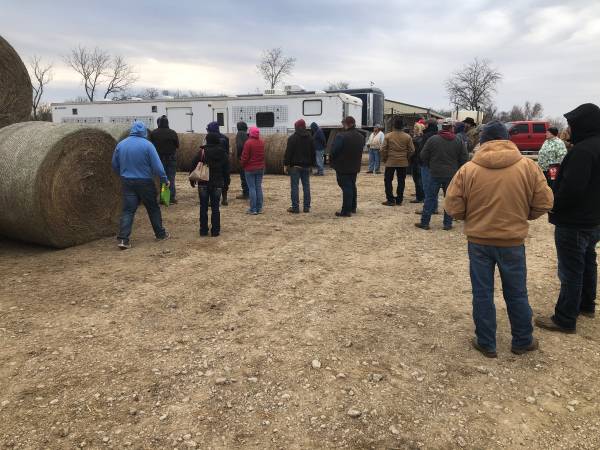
(136, 161)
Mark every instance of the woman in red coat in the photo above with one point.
(253, 163)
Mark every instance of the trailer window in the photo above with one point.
(221, 119)
(74, 111)
(312, 107)
(154, 108)
(265, 119)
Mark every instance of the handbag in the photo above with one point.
(165, 195)
(201, 172)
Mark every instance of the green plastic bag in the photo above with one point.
(165, 195)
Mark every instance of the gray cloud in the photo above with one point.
(548, 51)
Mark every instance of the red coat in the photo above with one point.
(253, 155)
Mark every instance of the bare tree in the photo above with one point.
(557, 122)
(274, 66)
(44, 112)
(120, 76)
(473, 86)
(41, 75)
(532, 111)
(338, 85)
(150, 93)
(91, 65)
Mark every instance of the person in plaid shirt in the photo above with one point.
(551, 155)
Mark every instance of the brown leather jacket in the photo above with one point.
(397, 149)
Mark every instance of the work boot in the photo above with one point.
(548, 323)
(343, 214)
(388, 203)
(530, 348)
(421, 226)
(224, 201)
(306, 210)
(485, 352)
(292, 210)
(167, 236)
(242, 197)
(588, 314)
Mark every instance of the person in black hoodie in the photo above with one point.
(166, 142)
(214, 156)
(214, 127)
(576, 216)
(240, 139)
(300, 157)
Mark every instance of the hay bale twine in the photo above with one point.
(275, 145)
(189, 145)
(57, 187)
(15, 87)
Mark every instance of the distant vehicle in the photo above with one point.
(372, 105)
(528, 135)
(271, 113)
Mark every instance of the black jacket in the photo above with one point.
(577, 188)
(346, 154)
(240, 139)
(218, 164)
(165, 140)
(300, 150)
(444, 156)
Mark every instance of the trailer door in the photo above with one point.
(220, 116)
(180, 119)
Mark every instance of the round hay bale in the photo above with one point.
(189, 145)
(275, 145)
(117, 131)
(234, 163)
(15, 87)
(57, 187)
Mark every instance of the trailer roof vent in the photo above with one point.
(274, 92)
(294, 88)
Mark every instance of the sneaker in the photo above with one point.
(485, 352)
(260, 211)
(421, 226)
(165, 237)
(293, 210)
(242, 197)
(306, 210)
(588, 314)
(123, 244)
(252, 213)
(530, 348)
(342, 214)
(547, 323)
(387, 203)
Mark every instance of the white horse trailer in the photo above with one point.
(270, 113)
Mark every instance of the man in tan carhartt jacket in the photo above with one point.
(396, 151)
(496, 193)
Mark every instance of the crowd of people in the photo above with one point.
(488, 184)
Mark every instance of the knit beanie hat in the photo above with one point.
(493, 131)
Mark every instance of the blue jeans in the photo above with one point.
(347, 182)
(209, 197)
(416, 175)
(512, 264)
(374, 160)
(254, 179)
(320, 154)
(431, 199)
(136, 191)
(297, 175)
(578, 273)
(170, 165)
(425, 178)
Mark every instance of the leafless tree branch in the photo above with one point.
(120, 76)
(41, 75)
(473, 86)
(274, 66)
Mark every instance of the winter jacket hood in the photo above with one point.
(254, 132)
(163, 122)
(318, 136)
(497, 155)
(447, 134)
(242, 126)
(584, 122)
(138, 129)
(213, 127)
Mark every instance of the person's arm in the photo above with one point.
(543, 198)
(116, 165)
(463, 156)
(384, 149)
(574, 179)
(426, 152)
(313, 153)
(411, 149)
(245, 153)
(336, 148)
(287, 158)
(381, 138)
(157, 167)
(455, 203)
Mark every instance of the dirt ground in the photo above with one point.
(216, 343)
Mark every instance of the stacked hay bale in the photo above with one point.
(15, 87)
(189, 145)
(57, 187)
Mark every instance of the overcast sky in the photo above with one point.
(547, 50)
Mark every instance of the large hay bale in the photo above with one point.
(15, 87)
(189, 145)
(275, 145)
(57, 187)
(117, 131)
(234, 163)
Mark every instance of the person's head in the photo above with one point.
(349, 122)
(469, 123)
(551, 133)
(447, 125)
(584, 122)
(314, 127)
(493, 131)
(459, 127)
(242, 126)
(138, 129)
(162, 122)
(300, 125)
(213, 139)
(377, 128)
(432, 122)
(398, 123)
(213, 127)
(254, 132)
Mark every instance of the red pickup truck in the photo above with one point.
(528, 135)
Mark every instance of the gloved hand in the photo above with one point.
(192, 183)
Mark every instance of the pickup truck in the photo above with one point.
(528, 135)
